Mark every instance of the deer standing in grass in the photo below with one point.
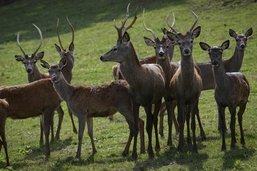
(146, 82)
(95, 101)
(186, 84)
(33, 75)
(162, 48)
(231, 90)
(21, 102)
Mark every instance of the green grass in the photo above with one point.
(95, 35)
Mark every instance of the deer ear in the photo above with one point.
(164, 30)
(71, 47)
(149, 42)
(204, 46)
(196, 32)
(232, 33)
(225, 45)
(39, 56)
(249, 32)
(59, 50)
(44, 64)
(125, 37)
(19, 58)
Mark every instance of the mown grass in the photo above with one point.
(95, 35)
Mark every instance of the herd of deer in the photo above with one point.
(138, 83)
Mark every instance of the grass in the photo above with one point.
(95, 35)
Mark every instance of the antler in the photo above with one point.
(72, 29)
(172, 25)
(122, 29)
(196, 19)
(146, 28)
(41, 39)
(57, 30)
(18, 43)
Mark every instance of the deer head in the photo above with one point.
(215, 52)
(185, 41)
(54, 70)
(161, 46)
(30, 61)
(122, 48)
(68, 55)
(241, 39)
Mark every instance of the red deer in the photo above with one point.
(231, 90)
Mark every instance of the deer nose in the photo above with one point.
(29, 70)
(187, 51)
(101, 58)
(161, 54)
(242, 46)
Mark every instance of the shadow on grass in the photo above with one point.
(19, 16)
(232, 158)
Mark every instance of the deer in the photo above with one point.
(231, 90)
(21, 102)
(233, 64)
(87, 102)
(146, 82)
(186, 83)
(163, 48)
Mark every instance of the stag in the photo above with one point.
(146, 82)
(186, 84)
(231, 90)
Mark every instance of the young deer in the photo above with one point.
(186, 84)
(21, 102)
(95, 101)
(146, 82)
(162, 48)
(231, 90)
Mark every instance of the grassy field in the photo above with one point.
(95, 35)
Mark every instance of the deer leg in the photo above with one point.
(51, 122)
(168, 103)
(220, 125)
(193, 125)
(3, 140)
(202, 133)
(136, 118)
(181, 121)
(41, 141)
(60, 114)
(82, 122)
(174, 119)
(221, 111)
(48, 117)
(149, 128)
(90, 133)
(162, 110)
(188, 113)
(232, 111)
(155, 121)
(72, 121)
(240, 120)
(142, 136)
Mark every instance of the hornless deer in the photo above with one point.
(34, 75)
(231, 90)
(22, 102)
(163, 59)
(95, 101)
(146, 82)
(186, 84)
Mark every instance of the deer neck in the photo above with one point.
(67, 71)
(131, 68)
(63, 88)
(36, 75)
(170, 52)
(166, 66)
(236, 60)
(187, 67)
(219, 76)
